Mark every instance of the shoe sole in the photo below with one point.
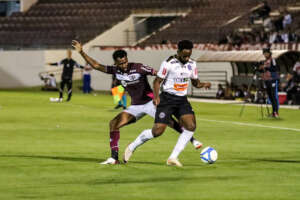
(126, 161)
(170, 163)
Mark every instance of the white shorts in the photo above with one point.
(139, 111)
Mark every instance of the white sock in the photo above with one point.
(183, 139)
(141, 139)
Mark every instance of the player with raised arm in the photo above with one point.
(133, 77)
(67, 74)
(174, 75)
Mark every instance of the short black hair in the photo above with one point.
(119, 54)
(185, 44)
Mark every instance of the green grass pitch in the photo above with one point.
(52, 150)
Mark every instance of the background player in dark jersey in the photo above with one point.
(133, 77)
(67, 74)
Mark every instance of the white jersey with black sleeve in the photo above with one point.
(177, 75)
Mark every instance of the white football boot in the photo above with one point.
(197, 144)
(110, 161)
(174, 162)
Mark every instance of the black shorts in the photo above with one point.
(172, 105)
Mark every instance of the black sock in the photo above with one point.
(115, 154)
(192, 139)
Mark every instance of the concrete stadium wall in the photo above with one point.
(116, 36)
(20, 68)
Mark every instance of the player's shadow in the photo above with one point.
(269, 160)
(146, 163)
(73, 159)
(140, 180)
(277, 161)
(151, 179)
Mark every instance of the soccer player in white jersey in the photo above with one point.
(133, 76)
(174, 75)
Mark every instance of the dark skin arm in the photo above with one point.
(197, 84)
(93, 63)
(156, 87)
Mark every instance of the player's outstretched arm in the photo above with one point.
(196, 83)
(93, 63)
(53, 64)
(156, 87)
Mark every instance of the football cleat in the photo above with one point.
(110, 161)
(174, 162)
(118, 106)
(275, 115)
(127, 154)
(197, 144)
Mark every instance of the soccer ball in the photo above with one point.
(209, 155)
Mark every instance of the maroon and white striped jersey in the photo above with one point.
(135, 81)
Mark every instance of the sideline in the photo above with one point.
(233, 102)
(250, 124)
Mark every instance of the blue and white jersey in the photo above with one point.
(177, 75)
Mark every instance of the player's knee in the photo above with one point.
(113, 125)
(158, 131)
(190, 127)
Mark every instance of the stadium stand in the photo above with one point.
(213, 21)
(54, 23)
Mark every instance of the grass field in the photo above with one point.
(52, 150)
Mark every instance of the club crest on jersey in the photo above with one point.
(132, 77)
(189, 67)
(162, 115)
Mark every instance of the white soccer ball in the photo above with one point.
(209, 155)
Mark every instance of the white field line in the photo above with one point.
(250, 124)
(239, 103)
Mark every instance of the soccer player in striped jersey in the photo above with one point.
(133, 77)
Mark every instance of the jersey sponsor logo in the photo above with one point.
(181, 80)
(126, 77)
(180, 87)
